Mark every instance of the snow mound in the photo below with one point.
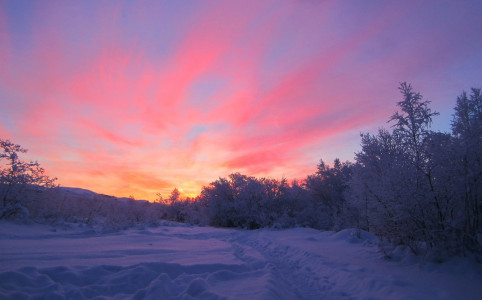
(355, 236)
(181, 262)
(141, 281)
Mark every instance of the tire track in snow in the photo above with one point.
(328, 266)
(292, 276)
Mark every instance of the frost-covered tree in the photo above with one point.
(16, 175)
(175, 208)
(382, 187)
(412, 130)
(327, 187)
(467, 130)
(412, 124)
(422, 188)
(235, 202)
(219, 197)
(387, 185)
(249, 202)
(174, 196)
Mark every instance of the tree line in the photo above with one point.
(408, 184)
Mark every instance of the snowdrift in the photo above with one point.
(175, 261)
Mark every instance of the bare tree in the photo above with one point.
(16, 175)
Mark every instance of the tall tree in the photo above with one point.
(393, 174)
(467, 129)
(412, 124)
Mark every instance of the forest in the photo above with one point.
(408, 185)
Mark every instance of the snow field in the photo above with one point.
(180, 262)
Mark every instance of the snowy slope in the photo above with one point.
(175, 261)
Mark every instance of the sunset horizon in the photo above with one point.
(138, 98)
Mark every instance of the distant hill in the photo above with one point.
(80, 205)
(80, 193)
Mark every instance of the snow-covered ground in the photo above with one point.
(175, 261)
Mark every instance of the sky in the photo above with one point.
(132, 98)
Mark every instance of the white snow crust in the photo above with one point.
(176, 261)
